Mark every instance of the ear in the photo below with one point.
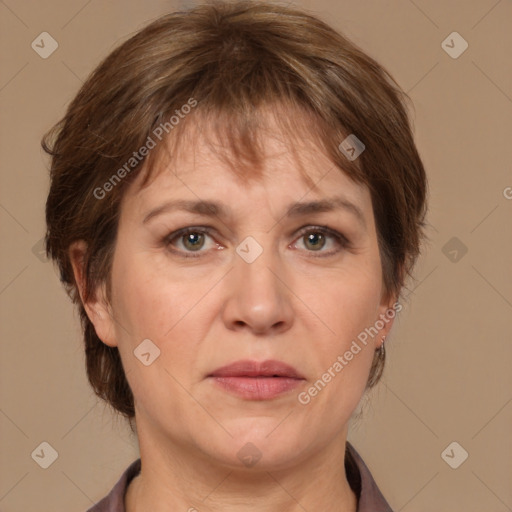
(388, 309)
(97, 307)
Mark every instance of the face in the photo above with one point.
(257, 282)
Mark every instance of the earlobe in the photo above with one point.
(96, 305)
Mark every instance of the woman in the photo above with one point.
(236, 201)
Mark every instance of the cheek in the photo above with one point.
(346, 302)
(347, 309)
(152, 301)
(151, 305)
(146, 297)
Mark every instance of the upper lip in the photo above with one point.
(248, 368)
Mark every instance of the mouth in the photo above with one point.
(253, 380)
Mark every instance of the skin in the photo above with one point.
(290, 304)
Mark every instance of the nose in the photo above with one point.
(257, 297)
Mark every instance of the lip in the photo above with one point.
(248, 368)
(253, 380)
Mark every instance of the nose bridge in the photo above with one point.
(257, 263)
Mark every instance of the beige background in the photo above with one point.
(448, 376)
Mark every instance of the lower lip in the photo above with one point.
(257, 388)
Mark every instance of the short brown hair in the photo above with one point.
(233, 59)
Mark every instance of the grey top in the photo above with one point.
(370, 499)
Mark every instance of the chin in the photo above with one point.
(258, 447)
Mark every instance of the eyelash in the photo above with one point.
(340, 239)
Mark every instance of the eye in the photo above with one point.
(317, 237)
(192, 240)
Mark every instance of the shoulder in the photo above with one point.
(114, 501)
(361, 481)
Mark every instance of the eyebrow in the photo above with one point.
(216, 209)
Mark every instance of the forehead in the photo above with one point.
(283, 161)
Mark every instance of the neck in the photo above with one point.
(178, 479)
